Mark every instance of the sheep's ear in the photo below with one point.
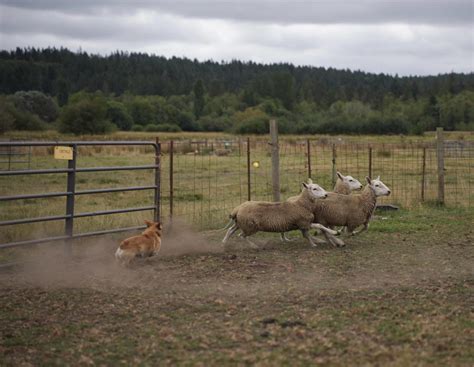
(339, 174)
(369, 181)
(305, 185)
(310, 181)
(378, 178)
(148, 223)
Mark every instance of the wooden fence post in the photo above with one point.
(275, 160)
(249, 189)
(157, 211)
(171, 178)
(308, 149)
(423, 173)
(370, 162)
(333, 164)
(440, 159)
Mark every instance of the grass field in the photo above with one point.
(400, 294)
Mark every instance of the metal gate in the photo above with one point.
(71, 191)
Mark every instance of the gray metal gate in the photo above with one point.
(71, 192)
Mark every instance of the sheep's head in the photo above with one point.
(379, 188)
(350, 181)
(315, 191)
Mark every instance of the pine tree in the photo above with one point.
(198, 98)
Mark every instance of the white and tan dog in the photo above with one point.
(145, 245)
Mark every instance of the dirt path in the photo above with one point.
(394, 296)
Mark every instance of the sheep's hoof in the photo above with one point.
(317, 240)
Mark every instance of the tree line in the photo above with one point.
(136, 91)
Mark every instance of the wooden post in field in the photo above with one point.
(423, 173)
(333, 164)
(249, 188)
(440, 159)
(157, 212)
(370, 162)
(171, 178)
(308, 148)
(275, 160)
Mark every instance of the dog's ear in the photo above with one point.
(148, 223)
(159, 226)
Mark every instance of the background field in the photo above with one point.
(210, 176)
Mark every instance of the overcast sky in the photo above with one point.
(408, 37)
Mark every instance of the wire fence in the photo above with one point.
(203, 180)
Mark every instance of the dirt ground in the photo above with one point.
(401, 294)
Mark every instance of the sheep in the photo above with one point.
(255, 216)
(344, 185)
(351, 211)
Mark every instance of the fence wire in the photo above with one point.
(211, 177)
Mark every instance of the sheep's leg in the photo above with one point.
(306, 235)
(334, 240)
(230, 232)
(317, 240)
(365, 228)
(322, 228)
(253, 245)
(284, 238)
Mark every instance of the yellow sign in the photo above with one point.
(63, 153)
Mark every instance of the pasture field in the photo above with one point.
(133, 135)
(400, 294)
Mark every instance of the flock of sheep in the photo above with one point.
(313, 208)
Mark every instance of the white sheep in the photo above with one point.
(257, 216)
(344, 185)
(350, 211)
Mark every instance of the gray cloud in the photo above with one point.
(376, 36)
(280, 11)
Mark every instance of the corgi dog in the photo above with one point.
(144, 245)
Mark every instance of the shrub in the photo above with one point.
(137, 128)
(252, 126)
(27, 121)
(214, 123)
(88, 116)
(36, 103)
(118, 115)
(7, 120)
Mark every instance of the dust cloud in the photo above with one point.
(93, 265)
